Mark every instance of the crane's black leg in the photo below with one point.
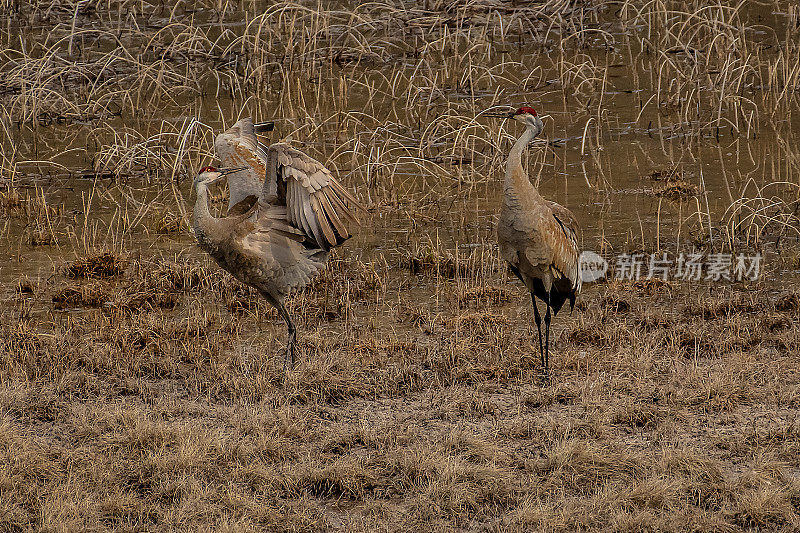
(547, 338)
(288, 363)
(538, 320)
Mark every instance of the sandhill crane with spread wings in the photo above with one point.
(538, 238)
(286, 211)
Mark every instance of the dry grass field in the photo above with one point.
(159, 402)
(142, 389)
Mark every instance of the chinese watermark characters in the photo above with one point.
(663, 266)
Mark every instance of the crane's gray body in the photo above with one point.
(286, 211)
(538, 238)
(262, 250)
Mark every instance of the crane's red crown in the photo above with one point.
(526, 110)
(207, 169)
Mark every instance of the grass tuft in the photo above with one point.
(102, 265)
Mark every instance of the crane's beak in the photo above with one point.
(501, 112)
(226, 171)
(223, 173)
(509, 114)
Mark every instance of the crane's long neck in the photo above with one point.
(201, 211)
(202, 219)
(516, 179)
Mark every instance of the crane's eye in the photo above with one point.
(207, 169)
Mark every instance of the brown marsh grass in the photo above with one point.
(141, 388)
(160, 409)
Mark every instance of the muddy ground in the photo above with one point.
(142, 389)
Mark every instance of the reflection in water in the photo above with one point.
(394, 103)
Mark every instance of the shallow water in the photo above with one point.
(403, 127)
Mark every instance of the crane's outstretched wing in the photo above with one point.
(315, 202)
(239, 147)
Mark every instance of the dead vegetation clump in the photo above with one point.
(776, 324)
(133, 286)
(239, 298)
(788, 303)
(26, 286)
(40, 235)
(101, 265)
(639, 413)
(177, 275)
(726, 305)
(618, 295)
(347, 277)
(615, 303)
(11, 201)
(169, 223)
(675, 184)
(31, 205)
(677, 190)
(586, 336)
(479, 323)
(672, 173)
(427, 260)
(418, 317)
(651, 286)
(84, 295)
(654, 320)
(485, 295)
(132, 300)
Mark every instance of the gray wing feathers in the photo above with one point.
(566, 247)
(330, 236)
(291, 264)
(312, 221)
(330, 212)
(316, 202)
(547, 237)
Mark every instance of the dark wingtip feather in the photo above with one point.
(263, 126)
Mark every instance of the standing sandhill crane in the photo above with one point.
(286, 212)
(537, 237)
